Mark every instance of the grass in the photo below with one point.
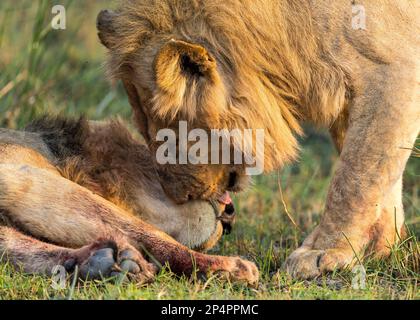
(45, 70)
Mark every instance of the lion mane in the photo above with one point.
(265, 76)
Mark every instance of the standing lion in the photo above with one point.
(272, 64)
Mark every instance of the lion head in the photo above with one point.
(184, 61)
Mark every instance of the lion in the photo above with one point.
(350, 66)
(77, 193)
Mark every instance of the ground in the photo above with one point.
(60, 71)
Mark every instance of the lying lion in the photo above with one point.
(76, 193)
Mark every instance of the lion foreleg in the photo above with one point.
(110, 256)
(383, 125)
(32, 255)
(54, 208)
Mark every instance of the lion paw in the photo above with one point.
(305, 263)
(110, 258)
(240, 270)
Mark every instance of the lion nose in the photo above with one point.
(228, 218)
(232, 181)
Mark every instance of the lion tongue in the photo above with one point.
(225, 198)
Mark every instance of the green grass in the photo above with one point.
(43, 70)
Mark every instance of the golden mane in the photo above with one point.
(270, 77)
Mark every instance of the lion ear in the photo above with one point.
(106, 30)
(180, 59)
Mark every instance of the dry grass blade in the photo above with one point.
(9, 86)
(289, 215)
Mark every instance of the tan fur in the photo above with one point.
(52, 211)
(270, 64)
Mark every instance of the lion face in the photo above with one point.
(196, 224)
(182, 72)
(180, 83)
(169, 81)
